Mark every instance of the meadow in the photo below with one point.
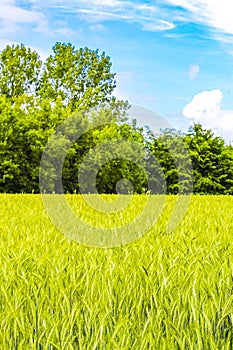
(162, 291)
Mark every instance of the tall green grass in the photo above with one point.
(163, 291)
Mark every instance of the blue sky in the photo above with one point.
(172, 56)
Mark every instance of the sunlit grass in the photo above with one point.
(163, 291)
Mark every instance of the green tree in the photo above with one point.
(170, 151)
(108, 169)
(81, 78)
(36, 98)
(20, 69)
(24, 131)
(212, 161)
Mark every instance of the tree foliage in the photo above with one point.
(36, 97)
(80, 78)
(212, 161)
(20, 69)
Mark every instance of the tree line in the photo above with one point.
(36, 97)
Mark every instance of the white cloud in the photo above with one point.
(205, 108)
(145, 7)
(19, 15)
(128, 11)
(213, 13)
(149, 16)
(7, 2)
(12, 16)
(108, 3)
(193, 71)
(191, 5)
(160, 25)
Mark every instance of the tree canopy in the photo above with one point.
(36, 97)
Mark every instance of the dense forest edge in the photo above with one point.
(36, 97)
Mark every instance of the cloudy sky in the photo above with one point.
(172, 56)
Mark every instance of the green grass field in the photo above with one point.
(162, 291)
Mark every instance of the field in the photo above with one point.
(162, 291)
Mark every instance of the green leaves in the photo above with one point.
(171, 152)
(36, 97)
(212, 161)
(81, 78)
(20, 69)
